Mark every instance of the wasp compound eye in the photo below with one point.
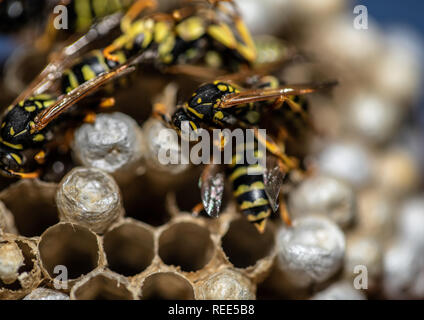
(179, 117)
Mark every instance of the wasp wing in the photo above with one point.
(273, 181)
(212, 183)
(256, 95)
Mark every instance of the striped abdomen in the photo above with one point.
(249, 189)
(91, 66)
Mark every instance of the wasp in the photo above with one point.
(184, 36)
(168, 39)
(23, 149)
(206, 31)
(158, 34)
(179, 39)
(223, 104)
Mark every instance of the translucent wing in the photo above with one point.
(255, 95)
(273, 180)
(212, 182)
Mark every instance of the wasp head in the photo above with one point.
(184, 122)
(10, 162)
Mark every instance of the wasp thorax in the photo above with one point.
(209, 95)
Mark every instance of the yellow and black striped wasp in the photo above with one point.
(23, 149)
(29, 121)
(223, 104)
(204, 30)
(183, 41)
(164, 38)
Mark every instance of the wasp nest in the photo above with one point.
(115, 222)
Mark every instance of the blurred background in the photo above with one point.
(405, 15)
(368, 157)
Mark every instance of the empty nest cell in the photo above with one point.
(143, 205)
(129, 248)
(69, 245)
(186, 245)
(102, 286)
(166, 286)
(32, 205)
(244, 245)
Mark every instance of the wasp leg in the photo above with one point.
(284, 214)
(90, 117)
(134, 11)
(126, 22)
(40, 157)
(107, 103)
(248, 48)
(26, 175)
(197, 210)
(116, 45)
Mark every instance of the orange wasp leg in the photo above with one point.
(198, 208)
(26, 175)
(284, 214)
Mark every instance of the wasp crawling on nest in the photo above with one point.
(223, 104)
(204, 38)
